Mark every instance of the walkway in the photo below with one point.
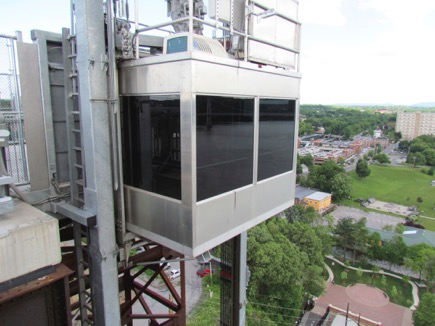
(387, 313)
(415, 297)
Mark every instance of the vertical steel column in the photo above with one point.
(242, 277)
(233, 281)
(92, 68)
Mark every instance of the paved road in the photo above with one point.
(374, 220)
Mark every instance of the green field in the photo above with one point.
(400, 185)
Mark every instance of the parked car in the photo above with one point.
(174, 274)
(203, 272)
(167, 265)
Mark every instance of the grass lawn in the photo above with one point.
(207, 312)
(404, 290)
(400, 185)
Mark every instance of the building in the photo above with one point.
(411, 236)
(320, 201)
(377, 133)
(414, 124)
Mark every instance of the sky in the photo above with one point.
(352, 51)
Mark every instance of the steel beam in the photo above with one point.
(93, 81)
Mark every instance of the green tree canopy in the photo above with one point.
(292, 250)
(345, 233)
(341, 186)
(362, 169)
(382, 158)
(330, 177)
(276, 267)
(424, 315)
(416, 158)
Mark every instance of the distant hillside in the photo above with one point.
(424, 105)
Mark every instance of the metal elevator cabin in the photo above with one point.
(172, 138)
(208, 138)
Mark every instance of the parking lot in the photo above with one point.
(374, 220)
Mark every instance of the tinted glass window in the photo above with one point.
(224, 144)
(151, 144)
(276, 137)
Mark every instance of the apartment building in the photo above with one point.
(414, 124)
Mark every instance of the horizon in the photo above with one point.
(352, 51)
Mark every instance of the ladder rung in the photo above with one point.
(75, 112)
(72, 75)
(80, 182)
(76, 130)
(80, 200)
(73, 94)
(72, 56)
(78, 166)
(77, 148)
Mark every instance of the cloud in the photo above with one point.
(400, 11)
(321, 12)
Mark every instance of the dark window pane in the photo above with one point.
(276, 137)
(224, 144)
(151, 144)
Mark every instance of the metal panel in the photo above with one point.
(33, 111)
(221, 218)
(206, 74)
(275, 29)
(53, 101)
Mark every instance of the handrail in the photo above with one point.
(214, 24)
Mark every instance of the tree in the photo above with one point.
(277, 268)
(320, 176)
(341, 161)
(425, 313)
(382, 158)
(303, 214)
(416, 158)
(359, 272)
(397, 136)
(395, 250)
(286, 261)
(361, 234)
(399, 228)
(362, 169)
(298, 167)
(341, 186)
(417, 256)
(394, 291)
(428, 271)
(371, 153)
(375, 245)
(345, 233)
(419, 200)
(307, 160)
(429, 155)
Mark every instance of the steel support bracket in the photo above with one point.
(76, 214)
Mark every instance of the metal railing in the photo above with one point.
(10, 110)
(228, 29)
